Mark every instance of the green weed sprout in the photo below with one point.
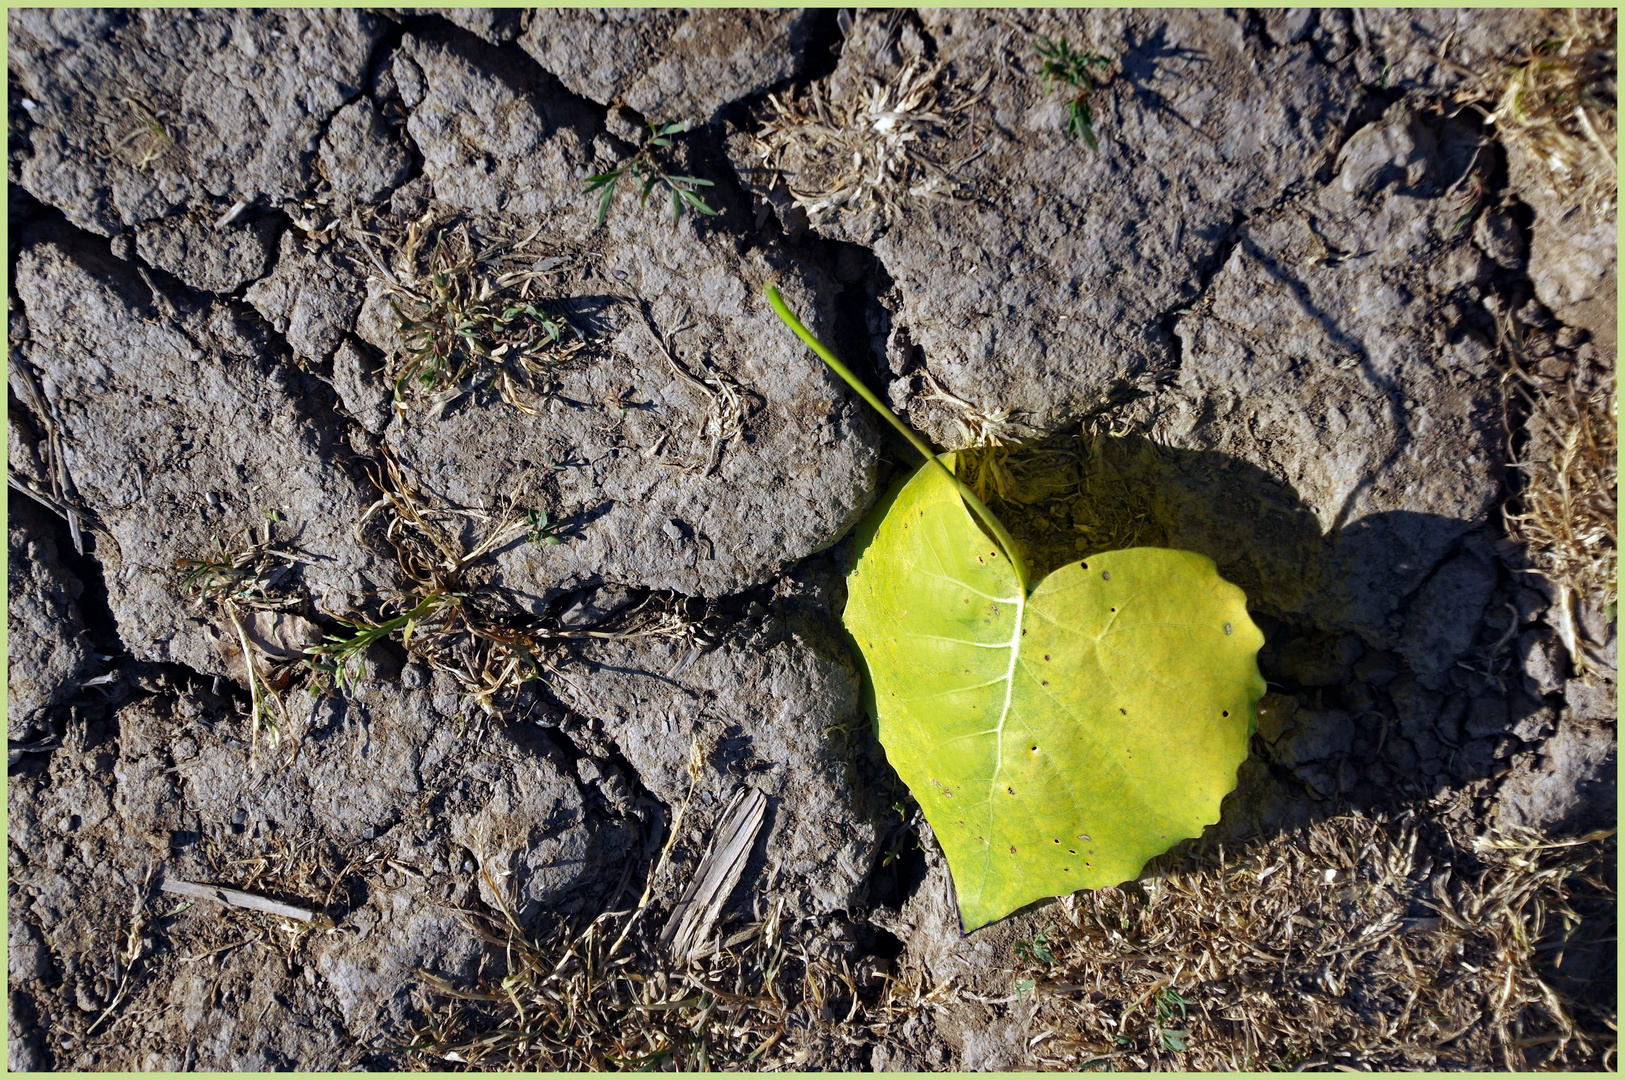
(644, 169)
(543, 531)
(1064, 65)
(1037, 949)
(340, 656)
(1173, 1038)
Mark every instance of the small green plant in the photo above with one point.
(542, 531)
(1063, 64)
(907, 836)
(249, 578)
(462, 327)
(644, 169)
(1170, 1000)
(213, 577)
(1037, 949)
(150, 139)
(340, 656)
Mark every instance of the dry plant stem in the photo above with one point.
(1000, 533)
(665, 852)
(238, 898)
(253, 686)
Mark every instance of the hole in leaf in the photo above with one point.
(1055, 841)
(1086, 566)
(1227, 712)
(1071, 851)
(1011, 790)
(1035, 749)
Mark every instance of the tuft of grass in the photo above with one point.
(251, 577)
(645, 170)
(867, 151)
(233, 586)
(1562, 105)
(449, 616)
(150, 140)
(459, 333)
(340, 655)
(1079, 70)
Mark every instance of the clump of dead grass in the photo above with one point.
(868, 150)
(1562, 106)
(471, 310)
(1567, 510)
(444, 610)
(1341, 948)
(600, 998)
(248, 595)
(1348, 946)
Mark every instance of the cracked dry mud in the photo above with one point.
(1255, 308)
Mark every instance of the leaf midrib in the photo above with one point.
(1004, 714)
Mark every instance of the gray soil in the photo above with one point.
(1267, 291)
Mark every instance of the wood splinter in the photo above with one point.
(238, 898)
(716, 876)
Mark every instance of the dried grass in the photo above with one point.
(607, 996)
(450, 618)
(1562, 106)
(470, 313)
(1344, 947)
(727, 408)
(1341, 948)
(869, 151)
(1567, 511)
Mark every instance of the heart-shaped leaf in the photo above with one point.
(1055, 741)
